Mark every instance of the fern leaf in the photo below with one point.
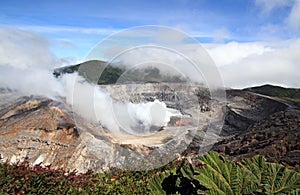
(155, 183)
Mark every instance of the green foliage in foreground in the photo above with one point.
(215, 174)
(210, 174)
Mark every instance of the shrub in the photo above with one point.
(211, 174)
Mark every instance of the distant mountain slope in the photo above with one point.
(288, 94)
(113, 74)
(93, 68)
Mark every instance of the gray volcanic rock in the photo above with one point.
(45, 131)
(37, 128)
(258, 124)
(245, 109)
(277, 138)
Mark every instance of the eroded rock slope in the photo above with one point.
(44, 130)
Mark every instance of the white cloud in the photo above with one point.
(221, 34)
(26, 63)
(233, 52)
(248, 64)
(290, 22)
(268, 6)
(240, 64)
(70, 29)
(294, 16)
(22, 49)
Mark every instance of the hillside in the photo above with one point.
(275, 135)
(111, 74)
(289, 94)
(43, 132)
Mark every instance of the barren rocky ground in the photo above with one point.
(44, 130)
(273, 133)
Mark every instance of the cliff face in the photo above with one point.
(244, 109)
(40, 129)
(44, 130)
(277, 138)
(258, 124)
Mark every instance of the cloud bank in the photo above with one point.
(26, 65)
(248, 64)
(23, 49)
(25, 58)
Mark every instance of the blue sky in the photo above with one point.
(82, 24)
(74, 27)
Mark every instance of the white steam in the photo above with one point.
(96, 105)
(26, 65)
(144, 116)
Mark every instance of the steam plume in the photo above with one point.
(26, 66)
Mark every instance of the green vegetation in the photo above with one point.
(210, 174)
(215, 174)
(111, 74)
(289, 94)
(93, 68)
